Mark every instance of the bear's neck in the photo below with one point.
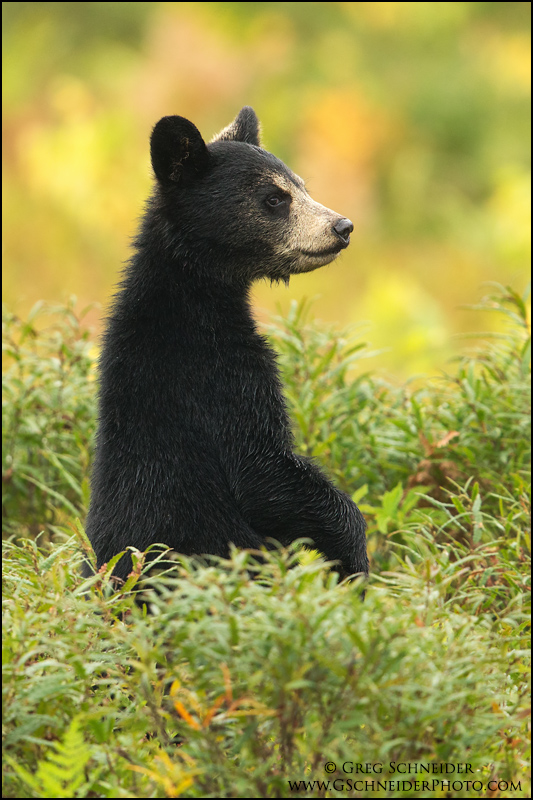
(165, 290)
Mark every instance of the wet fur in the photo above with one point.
(194, 445)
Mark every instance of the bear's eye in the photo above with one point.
(275, 200)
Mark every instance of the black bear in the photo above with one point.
(194, 446)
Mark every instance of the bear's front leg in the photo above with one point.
(287, 497)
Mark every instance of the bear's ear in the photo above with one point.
(178, 151)
(244, 128)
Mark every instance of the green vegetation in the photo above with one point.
(48, 418)
(218, 684)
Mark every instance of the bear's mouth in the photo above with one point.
(330, 252)
(319, 258)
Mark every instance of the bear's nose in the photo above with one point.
(343, 229)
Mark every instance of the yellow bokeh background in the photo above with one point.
(412, 119)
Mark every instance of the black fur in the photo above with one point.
(194, 447)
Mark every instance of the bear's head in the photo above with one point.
(235, 205)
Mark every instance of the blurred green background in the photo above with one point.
(412, 119)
